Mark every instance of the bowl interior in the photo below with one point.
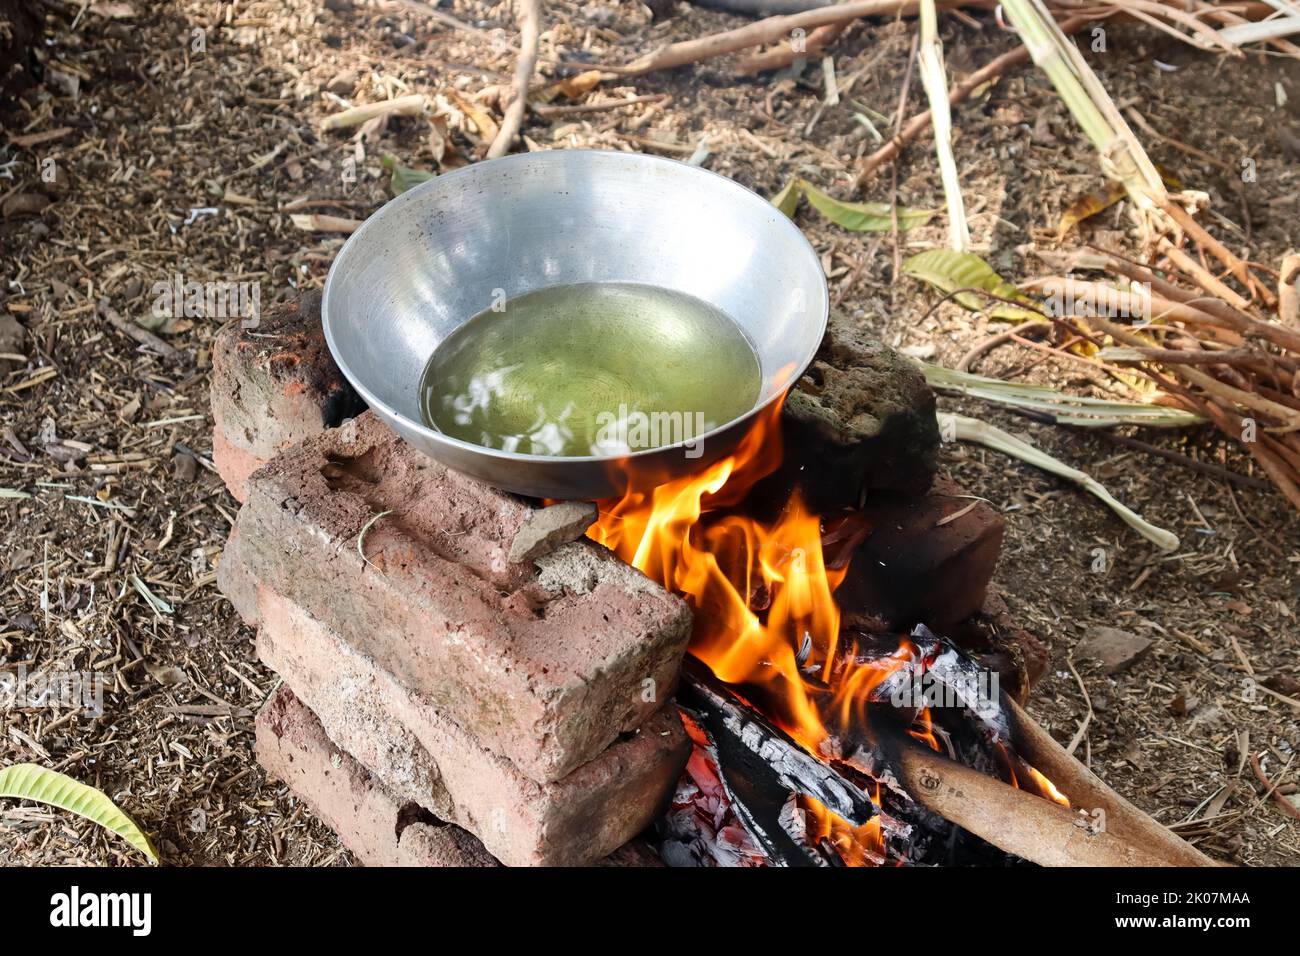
(443, 252)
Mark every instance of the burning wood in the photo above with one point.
(816, 744)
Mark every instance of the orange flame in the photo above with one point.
(764, 601)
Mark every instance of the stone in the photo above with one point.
(184, 467)
(860, 420)
(272, 385)
(370, 821)
(425, 759)
(13, 340)
(1113, 648)
(545, 665)
(926, 560)
(546, 529)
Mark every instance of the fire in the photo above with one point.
(763, 594)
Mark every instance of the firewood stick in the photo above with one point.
(920, 123)
(1205, 279)
(1211, 245)
(1131, 303)
(136, 331)
(1288, 292)
(1207, 383)
(1088, 792)
(768, 30)
(1140, 273)
(1017, 821)
(1133, 353)
(1284, 478)
(412, 105)
(1218, 311)
(782, 56)
(530, 16)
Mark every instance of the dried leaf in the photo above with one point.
(1087, 206)
(863, 216)
(570, 87)
(316, 222)
(27, 781)
(485, 128)
(948, 270)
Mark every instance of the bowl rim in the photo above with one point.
(821, 313)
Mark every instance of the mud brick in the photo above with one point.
(545, 663)
(373, 823)
(927, 559)
(426, 760)
(273, 385)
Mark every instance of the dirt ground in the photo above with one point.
(186, 160)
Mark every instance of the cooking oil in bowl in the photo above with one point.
(591, 369)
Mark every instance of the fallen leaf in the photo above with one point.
(1113, 648)
(787, 200)
(402, 177)
(863, 216)
(484, 126)
(1087, 206)
(948, 270)
(570, 88)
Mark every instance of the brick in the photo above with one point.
(545, 663)
(425, 759)
(370, 821)
(271, 387)
(922, 563)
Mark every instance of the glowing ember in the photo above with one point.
(765, 613)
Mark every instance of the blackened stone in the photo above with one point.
(861, 419)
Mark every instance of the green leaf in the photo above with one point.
(863, 216)
(787, 200)
(27, 781)
(948, 270)
(403, 177)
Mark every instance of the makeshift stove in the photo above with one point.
(469, 679)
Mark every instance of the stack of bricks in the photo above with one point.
(441, 703)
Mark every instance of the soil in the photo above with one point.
(192, 138)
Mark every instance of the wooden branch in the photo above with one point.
(136, 331)
(920, 123)
(529, 15)
(769, 30)
(1206, 383)
(1236, 266)
(782, 56)
(1017, 821)
(1087, 792)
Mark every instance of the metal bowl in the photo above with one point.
(443, 252)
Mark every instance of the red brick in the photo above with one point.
(273, 385)
(920, 564)
(545, 663)
(292, 745)
(426, 759)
